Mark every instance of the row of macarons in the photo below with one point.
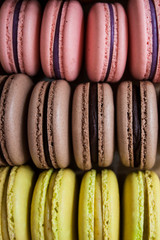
(54, 206)
(52, 120)
(57, 38)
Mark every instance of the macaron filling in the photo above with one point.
(56, 64)
(154, 39)
(93, 122)
(136, 124)
(15, 33)
(45, 134)
(112, 39)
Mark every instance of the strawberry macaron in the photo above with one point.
(144, 25)
(61, 43)
(19, 30)
(107, 42)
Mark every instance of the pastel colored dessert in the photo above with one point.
(106, 42)
(61, 43)
(93, 125)
(137, 124)
(15, 92)
(144, 25)
(15, 200)
(141, 212)
(54, 206)
(48, 124)
(20, 33)
(98, 213)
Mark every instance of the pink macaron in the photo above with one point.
(61, 43)
(144, 30)
(20, 32)
(107, 42)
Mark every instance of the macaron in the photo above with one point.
(99, 207)
(15, 91)
(93, 125)
(144, 52)
(15, 197)
(106, 42)
(48, 124)
(54, 206)
(137, 124)
(141, 212)
(20, 36)
(61, 43)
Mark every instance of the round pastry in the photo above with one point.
(93, 125)
(20, 33)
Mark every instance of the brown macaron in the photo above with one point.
(93, 125)
(48, 124)
(137, 124)
(15, 92)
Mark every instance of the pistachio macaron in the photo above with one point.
(141, 212)
(98, 213)
(16, 190)
(54, 206)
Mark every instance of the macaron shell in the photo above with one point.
(98, 206)
(133, 202)
(105, 125)
(111, 205)
(122, 42)
(38, 205)
(138, 38)
(35, 124)
(20, 186)
(31, 35)
(124, 122)
(13, 111)
(86, 206)
(73, 40)
(64, 205)
(152, 185)
(47, 36)
(149, 125)
(6, 49)
(97, 47)
(80, 127)
(4, 173)
(58, 122)
(48, 205)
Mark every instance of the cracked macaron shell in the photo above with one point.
(99, 206)
(149, 124)
(57, 123)
(80, 125)
(13, 114)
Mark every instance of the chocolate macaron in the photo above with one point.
(93, 125)
(48, 124)
(15, 92)
(137, 124)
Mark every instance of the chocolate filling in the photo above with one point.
(136, 125)
(15, 33)
(93, 122)
(56, 45)
(112, 39)
(45, 135)
(154, 39)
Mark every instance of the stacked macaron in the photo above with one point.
(20, 32)
(144, 29)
